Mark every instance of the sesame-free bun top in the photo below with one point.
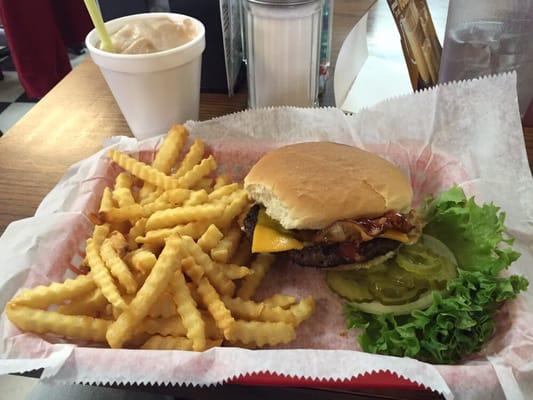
(311, 185)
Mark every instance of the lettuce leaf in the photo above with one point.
(473, 233)
(461, 318)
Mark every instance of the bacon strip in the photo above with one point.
(364, 229)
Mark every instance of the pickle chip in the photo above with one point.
(346, 284)
(400, 284)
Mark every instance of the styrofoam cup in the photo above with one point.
(153, 90)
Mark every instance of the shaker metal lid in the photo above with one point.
(282, 2)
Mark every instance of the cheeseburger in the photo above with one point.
(329, 205)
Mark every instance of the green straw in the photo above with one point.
(98, 22)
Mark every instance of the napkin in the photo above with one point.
(467, 133)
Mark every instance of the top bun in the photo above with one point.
(311, 185)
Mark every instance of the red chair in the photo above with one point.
(38, 34)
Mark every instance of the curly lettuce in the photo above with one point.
(461, 318)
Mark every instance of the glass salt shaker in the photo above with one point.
(282, 51)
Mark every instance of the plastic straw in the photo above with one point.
(98, 22)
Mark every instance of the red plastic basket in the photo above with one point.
(379, 380)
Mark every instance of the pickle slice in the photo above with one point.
(418, 259)
(405, 279)
(375, 307)
(348, 285)
(388, 292)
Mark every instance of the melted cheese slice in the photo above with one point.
(270, 237)
(395, 235)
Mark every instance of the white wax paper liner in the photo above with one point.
(467, 133)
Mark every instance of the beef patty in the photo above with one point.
(331, 255)
(324, 255)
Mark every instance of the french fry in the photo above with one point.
(168, 154)
(190, 316)
(134, 212)
(123, 197)
(280, 300)
(107, 200)
(140, 277)
(205, 184)
(117, 267)
(88, 304)
(137, 340)
(123, 181)
(260, 333)
(193, 229)
(277, 314)
(176, 216)
(115, 312)
(108, 313)
(225, 249)
(122, 194)
(170, 150)
(214, 304)
(243, 309)
(155, 284)
(210, 238)
(192, 269)
(260, 267)
(223, 191)
(141, 260)
(158, 342)
(174, 196)
(73, 326)
(303, 310)
(172, 326)
(143, 171)
(126, 213)
(211, 329)
(120, 226)
(164, 306)
(250, 310)
(221, 282)
(137, 230)
(119, 243)
(196, 198)
(234, 272)
(190, 178)
(238, 201)
(194, 293)
(154, 248)
(193, 157)
(221, 180)
(55, 293)
(157, 237)
(151, 197)
(243, 255)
